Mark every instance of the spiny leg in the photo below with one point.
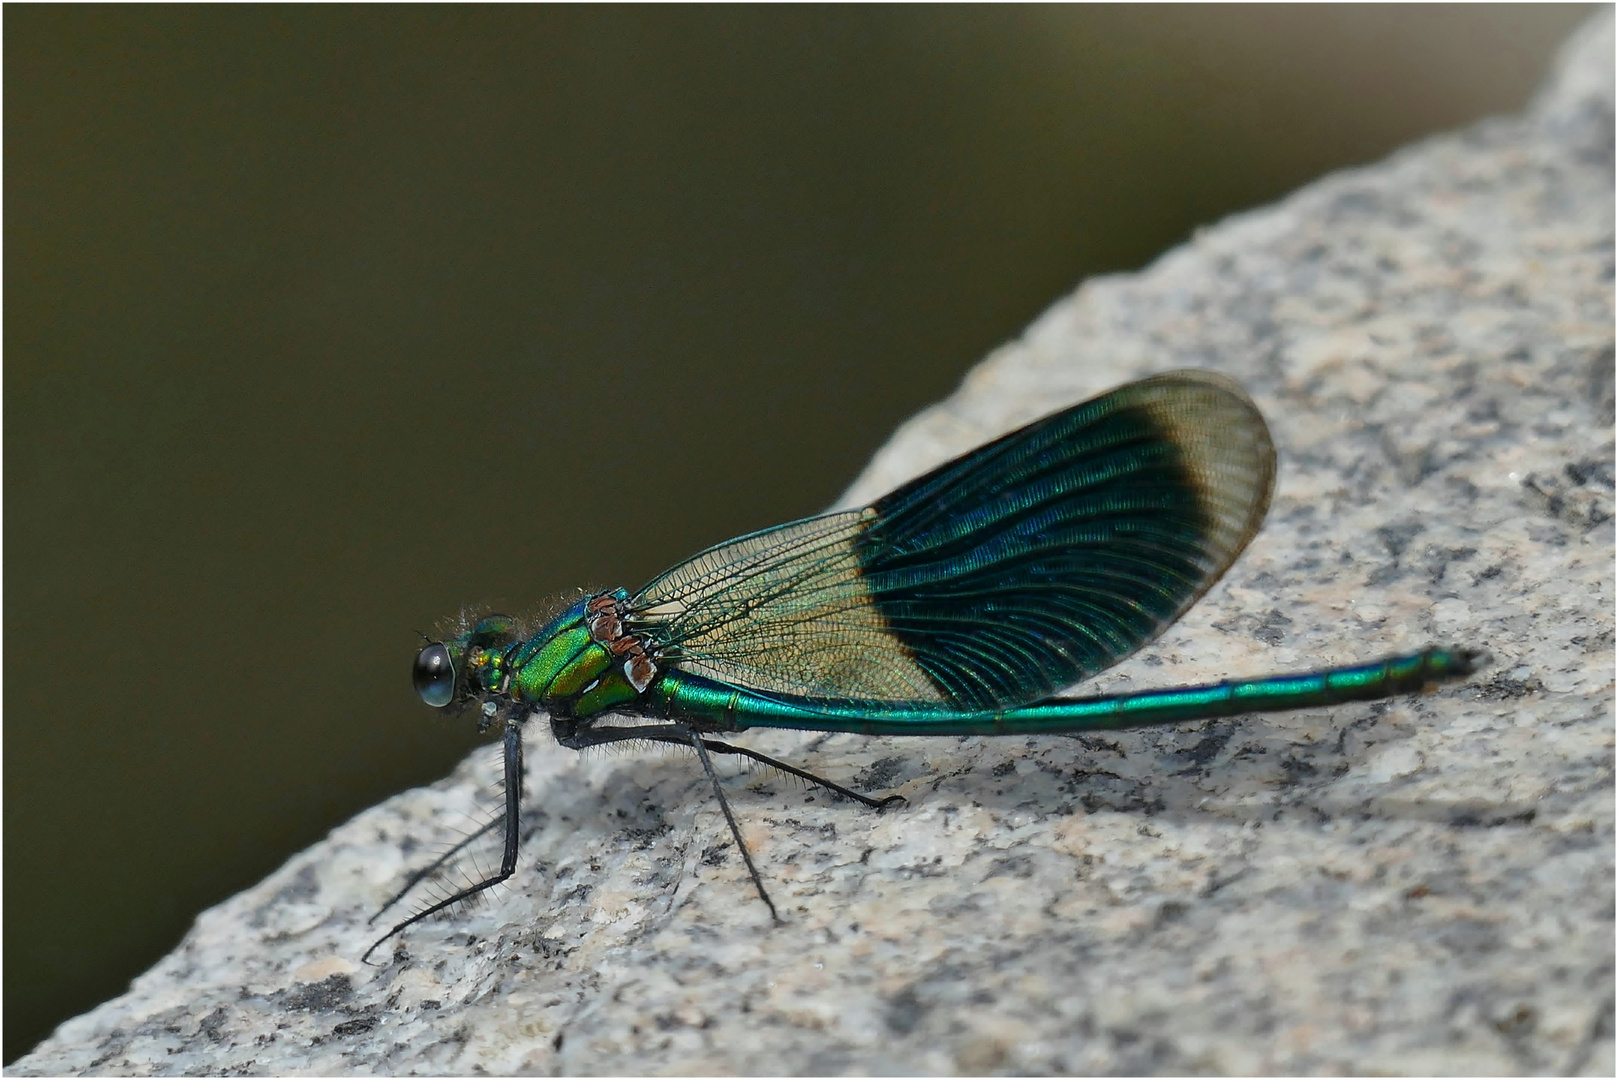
(820, 781)
(681, 735)
(428, 871)
(508, 862)
(735, 830)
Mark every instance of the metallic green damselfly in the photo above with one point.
(958, 604)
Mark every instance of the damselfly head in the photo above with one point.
(459, 669)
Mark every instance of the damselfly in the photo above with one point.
(958, 604)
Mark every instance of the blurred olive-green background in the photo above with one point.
(321, 321)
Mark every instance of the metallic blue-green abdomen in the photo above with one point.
(729, 708)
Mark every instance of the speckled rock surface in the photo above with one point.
(1422, 886)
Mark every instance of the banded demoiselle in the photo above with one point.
(958, 604)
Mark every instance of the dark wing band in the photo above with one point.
(1055, 551)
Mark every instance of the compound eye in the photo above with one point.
(434, 675)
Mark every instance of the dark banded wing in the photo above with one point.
(998, 578)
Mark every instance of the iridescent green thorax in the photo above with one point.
(583, 662)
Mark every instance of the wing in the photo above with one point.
(998, 578)
(786, 611)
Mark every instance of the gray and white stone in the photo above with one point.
(1419, 886)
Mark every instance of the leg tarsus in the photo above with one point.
(735, 831)
(508, 863)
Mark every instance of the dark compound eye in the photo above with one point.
(434, 675)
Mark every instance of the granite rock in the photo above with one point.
(1417, 886)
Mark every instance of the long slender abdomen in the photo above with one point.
(1410, 673)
